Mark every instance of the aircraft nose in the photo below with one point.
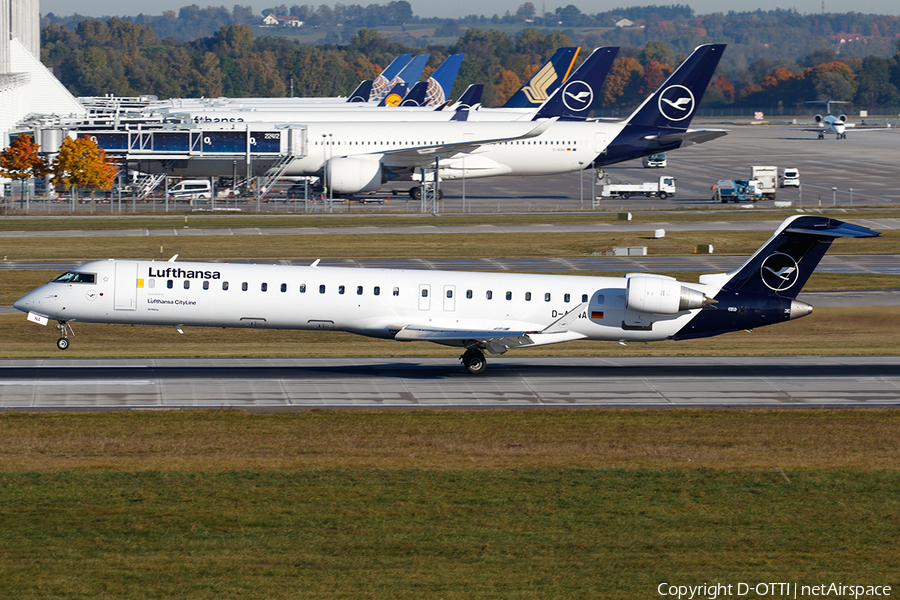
(23, 303)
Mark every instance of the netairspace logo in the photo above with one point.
(774, 590)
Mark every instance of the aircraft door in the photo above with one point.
(424, 296)
(126, 286)
(449, 298)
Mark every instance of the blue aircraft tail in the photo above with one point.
(395, 96)
(661, 123)
(764, 289)
(382, 82)
(575, 99)
(410, 73)
(362, 91)
(545, 80)
(435, 90)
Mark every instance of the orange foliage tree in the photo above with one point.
(22, 161)
(82, 164)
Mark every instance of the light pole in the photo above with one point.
(581, 181)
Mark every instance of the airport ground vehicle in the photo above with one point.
(662, 189)
(191, 189)
(654, 161)
(737, 190)
(767, 178)
(790, 177)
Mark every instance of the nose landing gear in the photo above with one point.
(64, 328)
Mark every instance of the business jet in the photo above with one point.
(358, 157)
(836, 125)
(479, 312)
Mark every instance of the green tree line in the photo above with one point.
(125, 58)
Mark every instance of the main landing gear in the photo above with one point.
(416, 193)
(474, 361)
(63, 342)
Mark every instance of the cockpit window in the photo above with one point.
(76, 277)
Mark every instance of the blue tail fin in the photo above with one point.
(441, 81)
(784, 263)
(763, 291)
(575, 99)
(545, 80)
(471, 97)
(661, 123)
(382, 83)
(362, 91)
(395, 96)
(409, 75)
(674, 103)
(415, 96)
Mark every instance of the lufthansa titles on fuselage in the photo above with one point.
(178, 273)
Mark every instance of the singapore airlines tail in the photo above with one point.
(545, 80)
(476, 311)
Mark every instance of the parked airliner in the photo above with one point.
(356, 157)
(492, 312)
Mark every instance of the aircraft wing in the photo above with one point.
(495, 340)
(425, 155)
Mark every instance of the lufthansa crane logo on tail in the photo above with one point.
(676, 103)
(577, 96)
(779, 272)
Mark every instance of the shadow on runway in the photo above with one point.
(449, 370)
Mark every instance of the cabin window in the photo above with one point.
(322, 289)
(449, 293)
(264, 287)
(151, 283)
(283, 287)
(376, 290)
(359, 290)
(205, 285)
(527, 296)
(187, 284)
(567, 297)
(424, 292)
(302, 288)
(340, 289)
(584, 297)
(244, 286)
(225, 286)
(469, 294)
(489, 294)
(509, 295)
(170, 284)
(396, 291)
(547, 297)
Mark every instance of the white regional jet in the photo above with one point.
(357, 157)
(479, 312)
(836, 125)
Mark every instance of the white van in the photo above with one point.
(790, 177)
(191, 189)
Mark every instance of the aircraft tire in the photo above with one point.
(62, 343)
(474, 361)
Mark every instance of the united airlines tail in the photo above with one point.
(545, 80)
(661, 123)
(764, 289)
(435, 90)
(575, 99)
(408, 73)
(363, 92)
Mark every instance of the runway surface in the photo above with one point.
(269, 385)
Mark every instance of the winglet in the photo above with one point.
(561, 325)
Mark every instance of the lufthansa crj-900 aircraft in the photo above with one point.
(478, 312)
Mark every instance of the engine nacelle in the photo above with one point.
(354, 174)
(818, 118)
(842, 118)
(662, 296)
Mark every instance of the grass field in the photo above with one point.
(575, 504)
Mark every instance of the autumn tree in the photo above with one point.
(21, 160)
(82, 164)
